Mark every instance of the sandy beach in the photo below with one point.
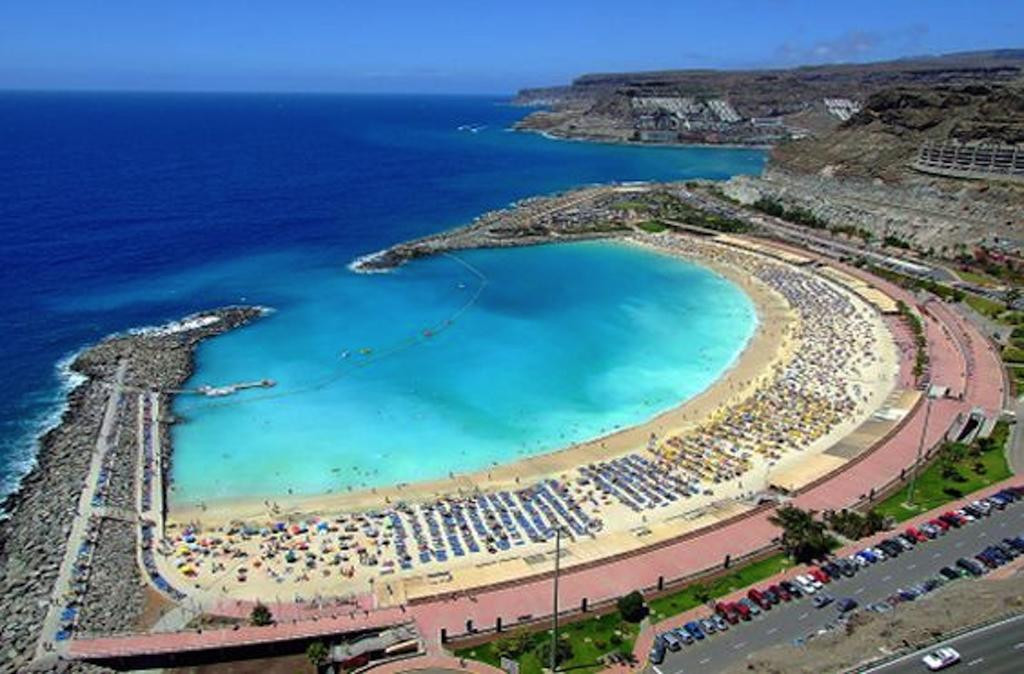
(773, 349)
(765, 348)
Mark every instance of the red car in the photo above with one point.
(728, 612)
(959, 518)
(912, 531)
(781, 592)
(759, 599)
(940, 524)
(819, 575)
(742, 610)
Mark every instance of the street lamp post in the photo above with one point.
(554, 613)
(920, 450)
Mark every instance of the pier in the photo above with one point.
(220, 391)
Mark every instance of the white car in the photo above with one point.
(808, 582)
(941, 658)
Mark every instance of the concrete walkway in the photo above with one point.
(48, 649)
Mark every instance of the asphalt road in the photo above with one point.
(788, 622)
(997, 649)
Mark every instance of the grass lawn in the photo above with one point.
(985, 306)
(590, 638)
(597, 636)
(975, 277)
(931, 491)
(687, 598)
(1013, 354)
(652, 226)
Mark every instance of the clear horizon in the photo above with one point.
(460, 48)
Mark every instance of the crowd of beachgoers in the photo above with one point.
(817, 388)
(804, 397)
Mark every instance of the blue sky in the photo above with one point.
(458, 46)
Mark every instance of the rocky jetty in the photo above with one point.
(587, 213)
(40, 513)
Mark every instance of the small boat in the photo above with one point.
(428, 333)
(366, 351)
(345, 354)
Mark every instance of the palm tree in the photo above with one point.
(804, 538)
(874, 521)
(317, 654)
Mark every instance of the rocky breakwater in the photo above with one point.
(39, 515)
(586, 213)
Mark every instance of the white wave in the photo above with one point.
(26, 448)
(355, 265)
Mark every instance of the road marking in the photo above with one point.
(975, 661)
(704, 661)
(911, 567)
(1019, 645)
(858, 590)
(960, 544)
(772, 630)
(983, 534)
(739, 645)
(886, 579)
(1002, 525)
(802, 616)
(936, 555)
(655, 668)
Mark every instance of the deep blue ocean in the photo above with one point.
(126, 210)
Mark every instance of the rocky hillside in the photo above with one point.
(883, 139)
(760, 106)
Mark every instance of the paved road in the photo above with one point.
(997, 649)
(797, 619)
(1015, 450)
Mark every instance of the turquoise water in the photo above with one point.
(123, 210)
(562, 343)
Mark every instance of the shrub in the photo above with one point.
(631, 607)
(563, 652)
(260, 616)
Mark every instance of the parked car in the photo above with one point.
(694, 629)
(846, 604)
(728, 612)
(657, 655)
(707, 626)
(917, 534)
(822, 600)
(819, 575)
(949, 573)
(970, 566)
(805, 585)
(721, 624)
(683, 635)
(781, 592)
(743, 609)
(671, 641)
(758, 598)
(792, 588)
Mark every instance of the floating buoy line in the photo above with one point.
(351, 360)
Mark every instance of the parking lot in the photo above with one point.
(799, 619)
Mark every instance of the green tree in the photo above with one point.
(317, 653)
(631, 607)
(260, 616)
(950, 456)
(874, 522)
(563, 652)
(804, 538)
(514, 645)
